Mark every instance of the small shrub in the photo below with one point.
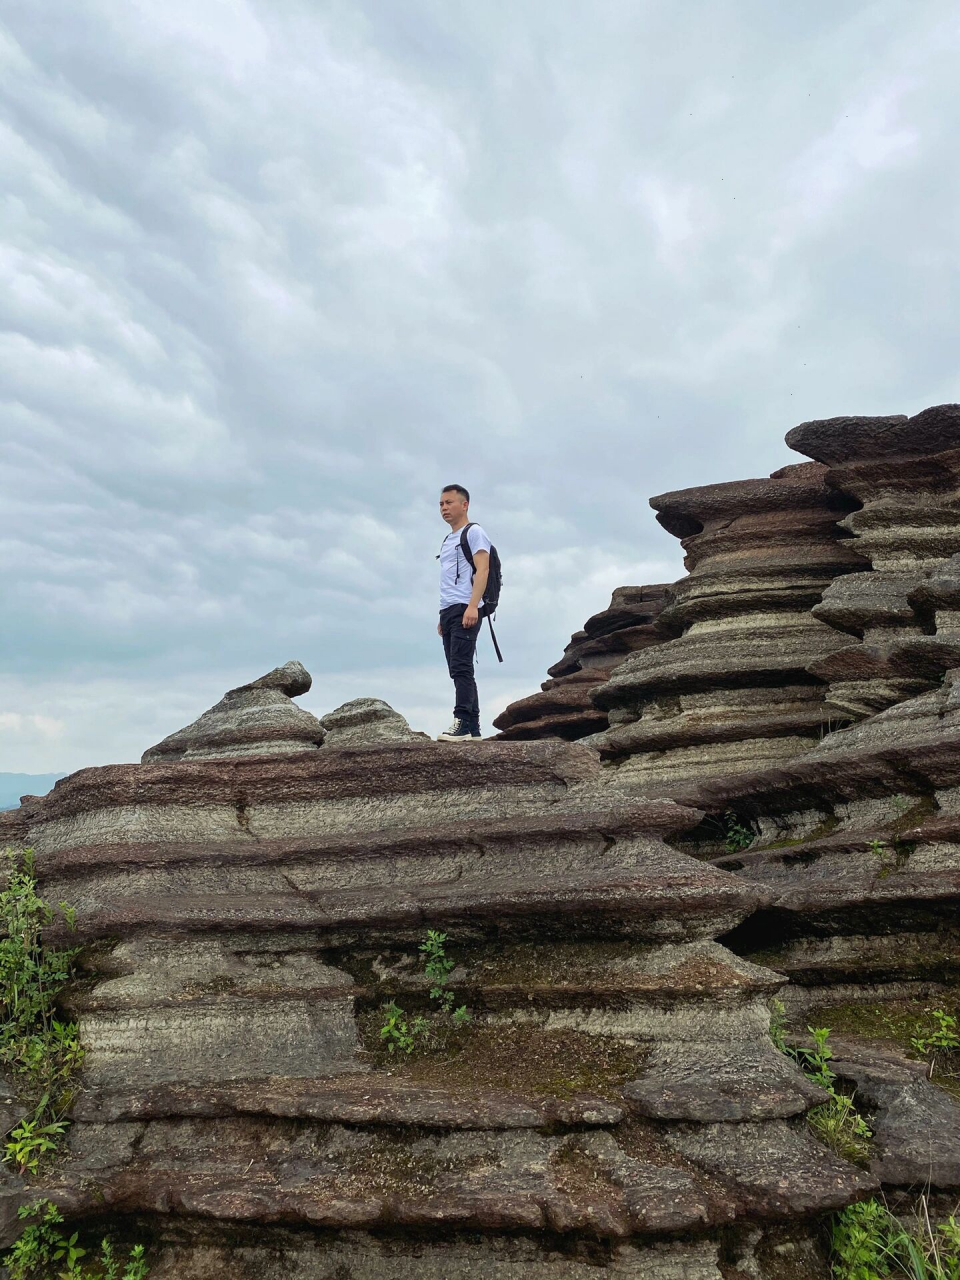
(43, 1251)
(406, 1033)
(438, 968)
(737, 836)
(43, 1053)
(937, 1035)
(836, 1122)
(870, 1243)
(401, 1032)
(840, 1127)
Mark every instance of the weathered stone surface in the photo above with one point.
(253, 719)
(858, 846)
(367, 722)
(248, 904)
(271, 1254)
(916, 1125)
(905, 476)
(767, 1166)
(838, 440)
(365, 1099)
(563, 708)
(682, 1082)
(734, 687)
(245, 920)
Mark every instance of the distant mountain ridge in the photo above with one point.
(15, 785)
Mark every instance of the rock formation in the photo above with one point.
(563, 708)
(774, 808)
(257, 719)
(734, 687)
(615, 1101)
(366, 722)
(905, 476)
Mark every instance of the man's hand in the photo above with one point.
(471, 616)
(439, 628)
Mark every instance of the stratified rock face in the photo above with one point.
(563, 708)
(734, 688)
(615, 1101)
(254, 719)
(859, 850)
(904, 473)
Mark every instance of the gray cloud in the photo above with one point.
(273, 273)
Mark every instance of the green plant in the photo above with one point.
(878, 848)
(43, 1053)
(736, 836)
(870, 1243)
(402, 1032)
(438, 967)
(43, 1252)
(937, 1035)
(30, 1141)
(840, 1127)
(406, 1033)
(836, 1122)
(778, 1025)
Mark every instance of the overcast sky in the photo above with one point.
(273, 272)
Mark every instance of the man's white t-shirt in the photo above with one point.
(456, 576)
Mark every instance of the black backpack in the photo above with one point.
(491, 592)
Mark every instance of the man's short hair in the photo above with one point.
(458, 488)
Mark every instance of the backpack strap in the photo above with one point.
(493, 637)
(465, 546)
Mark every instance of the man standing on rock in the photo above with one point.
(461, 600)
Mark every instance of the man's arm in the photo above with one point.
(481, 560)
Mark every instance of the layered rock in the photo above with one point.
(563, 707)
(735, 687)
(366, 722)
(615, 1103)
(904, 474)
(258, 718)
(857, 848)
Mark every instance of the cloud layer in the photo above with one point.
(273, 273)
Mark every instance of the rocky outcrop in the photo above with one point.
(366, 722)
(904, 474)
(858, 847)
(255, 719)
(563, 707)
(774, 811)
(615, 1102)
(735, 687)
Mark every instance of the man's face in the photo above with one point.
(453, 506)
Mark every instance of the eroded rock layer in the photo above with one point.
(904, 609)
(614, 1101)
(777, 815)
(735, 686)
(856, 847)
(563, 708)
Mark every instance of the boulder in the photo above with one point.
(366, 722)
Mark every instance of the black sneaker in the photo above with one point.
(460, 731)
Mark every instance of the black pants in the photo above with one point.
(459, 646)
